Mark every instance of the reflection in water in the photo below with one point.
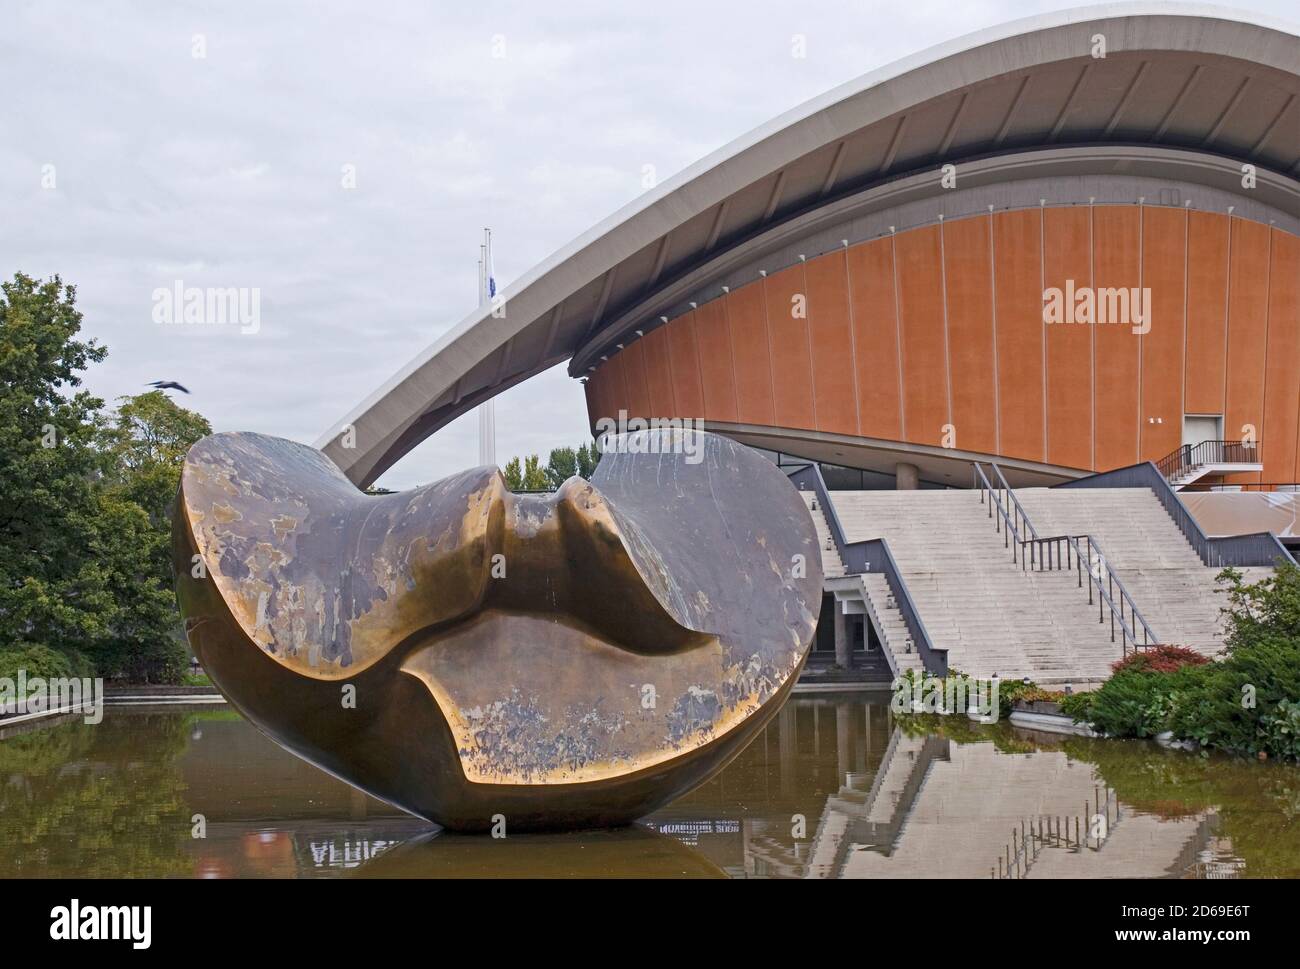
(833, 788)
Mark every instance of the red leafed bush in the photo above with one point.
(1159, 659)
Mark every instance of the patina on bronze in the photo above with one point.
(468, 654)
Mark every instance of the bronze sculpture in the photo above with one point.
(488, 660)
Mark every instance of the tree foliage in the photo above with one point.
(1246, 703)
(84, 567)
(561, 465)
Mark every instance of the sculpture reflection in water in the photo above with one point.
(489, 660)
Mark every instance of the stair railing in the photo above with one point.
(1026, 524)
(1007, 515)
(1083, 555)
(1064, 552)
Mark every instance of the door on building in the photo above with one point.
(1202, 427)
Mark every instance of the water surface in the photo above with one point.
(833, 788)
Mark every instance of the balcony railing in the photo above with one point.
(1191, 456)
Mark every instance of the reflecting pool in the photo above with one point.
(835, 787)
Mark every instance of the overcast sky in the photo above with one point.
(128, 162)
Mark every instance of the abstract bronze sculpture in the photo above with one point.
(480, 658)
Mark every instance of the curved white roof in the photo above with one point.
(1221, 82)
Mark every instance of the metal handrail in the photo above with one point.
(873, 556)
(1024, 518)
(1051, 559)
(1011, 493)
(1191, 456)
(1044, 554)
(981, 481)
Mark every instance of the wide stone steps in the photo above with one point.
(989, 614)
(1175, 592)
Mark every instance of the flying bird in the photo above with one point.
(168, 385)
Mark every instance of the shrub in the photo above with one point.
(1241, 705)
(38, 659)
(1159, 659)
(1078, 706)
(1133, 704)
(1247, 703)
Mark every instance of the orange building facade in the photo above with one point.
(941, 338)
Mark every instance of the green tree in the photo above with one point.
(53, 589)
(514, 477)
(588, 458)
(534, 474)
(561, 466)
(84, 563)
(147, 442)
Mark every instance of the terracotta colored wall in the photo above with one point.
(1164, 272)
(1116, 263)
(1280, 449)
(1067, 256)
(896, 337)
(1018, 316)
(968, 285)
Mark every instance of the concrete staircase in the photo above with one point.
(991, 616)
(900, 653)
(832, 564)
(890, 625)
(1173, 589)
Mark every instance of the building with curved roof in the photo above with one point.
(1068, 243)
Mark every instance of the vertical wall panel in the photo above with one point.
(749, 348)
(1163, 263)
(684, 358)
(1248, 277)
(1018, 296)
(1277, 437)
(654, 347)
(875, 334)
(792, 395)
(1067, 259)
(638, 391)
(832, 344)
(1207, 302)
(920, 308)
(717, 368)
(1115, 231)
(969, 293)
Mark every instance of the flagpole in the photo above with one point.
(487, 429)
